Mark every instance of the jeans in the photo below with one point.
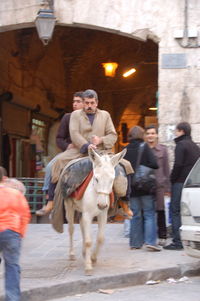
(47, 177)
(10, 245)
(127, 225)
(143, 223)
(48, 169)
(176, 212)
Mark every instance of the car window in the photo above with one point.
(193, 180)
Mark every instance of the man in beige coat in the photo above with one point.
(90, 127)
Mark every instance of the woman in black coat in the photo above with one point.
(143, 228)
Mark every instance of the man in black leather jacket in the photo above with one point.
(186, 155)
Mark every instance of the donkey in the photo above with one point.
(94, 203)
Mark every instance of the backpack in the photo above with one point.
(143, 180)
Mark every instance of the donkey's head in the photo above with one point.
(104, 174)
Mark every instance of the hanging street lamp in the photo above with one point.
(45, 23)
(110, 68)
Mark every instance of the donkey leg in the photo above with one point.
(70, 218)
(102, 220)
(83, 237)
(86, 223)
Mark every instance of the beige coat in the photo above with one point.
(81, 132)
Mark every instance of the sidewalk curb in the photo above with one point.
(92, 283)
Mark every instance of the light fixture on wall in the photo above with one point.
(45, 23)
(129, 72)
(153, 109)
(110, 68)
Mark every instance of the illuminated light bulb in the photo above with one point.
(110, 68)
(153, 109)
(129, 72)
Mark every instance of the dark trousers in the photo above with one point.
(161, 223)
(51, 191)
(176, 212)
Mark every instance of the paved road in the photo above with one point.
(184, 291)
(47, 272)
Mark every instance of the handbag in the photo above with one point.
(143, 180)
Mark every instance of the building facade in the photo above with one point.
(162, 38)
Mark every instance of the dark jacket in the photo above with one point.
(162, 173)
(186, 154)
(63, 136)
(147, 159)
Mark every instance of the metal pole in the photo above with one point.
(51, 4)
(48, 3)
(186, 19)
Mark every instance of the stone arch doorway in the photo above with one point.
(42, 79)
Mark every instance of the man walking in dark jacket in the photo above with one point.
(186, 155)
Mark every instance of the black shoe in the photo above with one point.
(135, 248)
(173, 246)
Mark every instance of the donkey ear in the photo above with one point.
(94, 157)
(118, 157)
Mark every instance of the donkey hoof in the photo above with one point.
(94, 259)
(72, 257)
(88, 272)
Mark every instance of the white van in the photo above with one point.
(190, 212)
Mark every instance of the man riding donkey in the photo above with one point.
(63, 141)
(93, 128)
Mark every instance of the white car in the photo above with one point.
(190, 212)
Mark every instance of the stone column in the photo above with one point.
(179, 77)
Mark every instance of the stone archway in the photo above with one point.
(49, 76)
(42, 80)
(116, 17)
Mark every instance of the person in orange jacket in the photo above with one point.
(14, 217)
